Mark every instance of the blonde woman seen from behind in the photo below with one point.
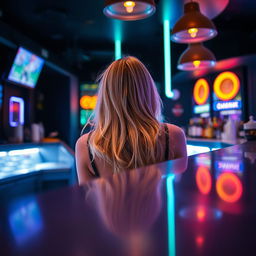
(127, 131)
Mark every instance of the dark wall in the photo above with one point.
(53, 105)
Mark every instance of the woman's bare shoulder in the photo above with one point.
(174, 129)
(82, 140)
(177, 141)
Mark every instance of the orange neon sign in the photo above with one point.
(201, 91)
(229, 187)
(88, 102)
(226, 85)
(203, 180)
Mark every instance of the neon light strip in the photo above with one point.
(118, 38)
(118, 49)
(167, 60)
(21, 113)
(171, 215)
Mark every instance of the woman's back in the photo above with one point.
(127, 132)
(175, 145)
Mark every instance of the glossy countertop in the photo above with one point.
(201, 205)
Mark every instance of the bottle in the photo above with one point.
(209, 129)
(193, 128)
(203, 127)
(190, 127)
(200, 128)
(250, 129)
(229, 133)
(241, 132)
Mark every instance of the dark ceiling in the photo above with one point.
(78, 31)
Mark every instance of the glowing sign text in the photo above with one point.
(234, 104)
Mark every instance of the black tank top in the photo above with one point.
(94, 167)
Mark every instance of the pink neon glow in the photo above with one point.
(199, 241)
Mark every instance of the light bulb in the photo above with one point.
(196, 63)
(129, 5)
(193, 32)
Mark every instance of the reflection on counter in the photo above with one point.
(25, 220)
(200, 202)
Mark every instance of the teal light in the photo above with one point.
(171, 215)
(118, 38)
(118, 49)
(167, 60)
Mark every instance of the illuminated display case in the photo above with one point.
(34, 167)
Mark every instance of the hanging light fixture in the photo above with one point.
(129, 10)
(195, 57)
(193, 26)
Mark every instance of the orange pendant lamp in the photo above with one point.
(196, 57)
(129, 10)
(193, 26)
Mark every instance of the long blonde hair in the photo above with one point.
(127, 116)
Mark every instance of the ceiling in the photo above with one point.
(78, 32)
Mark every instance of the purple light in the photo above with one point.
(16, 111)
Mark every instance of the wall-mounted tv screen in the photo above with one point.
(26, 68)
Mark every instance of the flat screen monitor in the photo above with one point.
(26, 68)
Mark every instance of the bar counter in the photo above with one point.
(200, 205)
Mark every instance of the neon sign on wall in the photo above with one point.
(16, 111)
(226, 86)
(201, 91)
(233, 104)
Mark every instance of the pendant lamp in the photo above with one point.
(195, 57)
(129, 10)
(193, 26)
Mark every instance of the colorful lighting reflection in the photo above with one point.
(25, 221)
(229, 187)
(200, 214)
(199, 241)
(203, 180)
(171, 214)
